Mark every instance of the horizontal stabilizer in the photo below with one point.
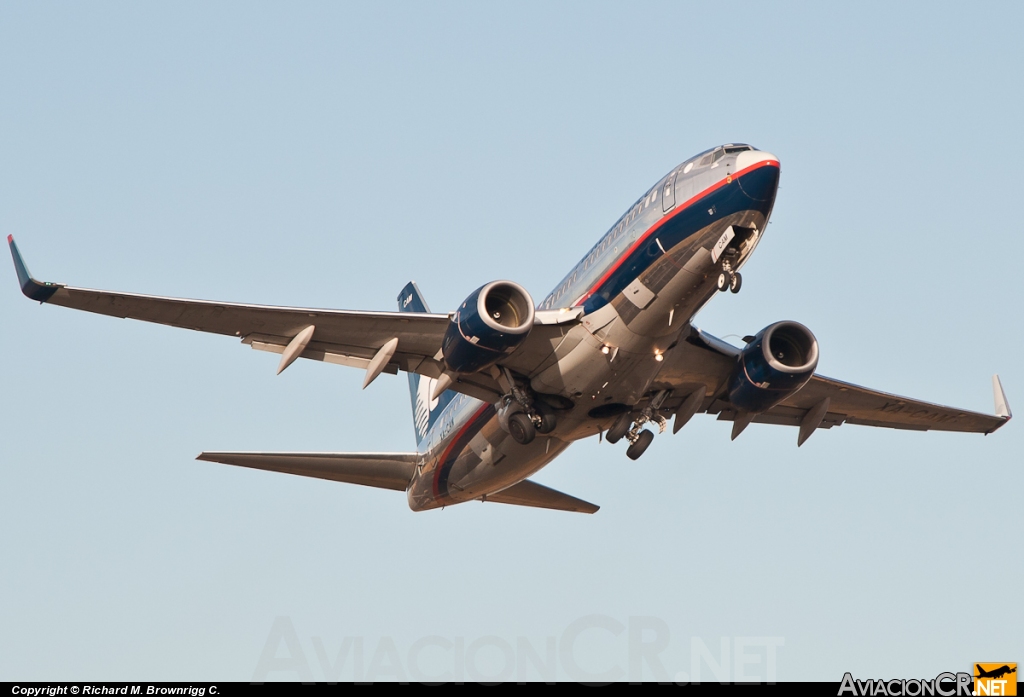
(381, 470)
(527, 493)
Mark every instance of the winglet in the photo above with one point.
(1002, 406)
(29, 286)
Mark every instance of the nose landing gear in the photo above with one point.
(735, 283)
(728, 279)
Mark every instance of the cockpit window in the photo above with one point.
(730, 149)
(717, 155)
(705, 161)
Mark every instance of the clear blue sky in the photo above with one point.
(324, 154)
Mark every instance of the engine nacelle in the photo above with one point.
(493, 321)
(778, 362)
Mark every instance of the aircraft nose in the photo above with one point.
(757, 172)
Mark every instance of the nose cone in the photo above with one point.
(752, 157)
(757, 172)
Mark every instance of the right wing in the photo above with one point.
(343, 337)
(702, 361)
(380, 470)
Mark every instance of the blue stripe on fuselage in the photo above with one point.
(674, 227)
(682, 224)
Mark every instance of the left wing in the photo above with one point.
(344, 337)
(380, 470)
(704, 361)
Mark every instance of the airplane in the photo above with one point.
(995, 673)
(501, 386)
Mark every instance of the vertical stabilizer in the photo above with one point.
(424, 409)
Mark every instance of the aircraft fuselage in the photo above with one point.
(639, 286)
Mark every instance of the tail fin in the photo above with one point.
(424, 411)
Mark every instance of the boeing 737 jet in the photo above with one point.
(501, 386)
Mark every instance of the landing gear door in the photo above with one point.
(722, 243)
(668, 193)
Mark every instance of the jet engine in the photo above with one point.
(779, 360)
(492, 322)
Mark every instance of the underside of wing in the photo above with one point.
(380, 470)
(527, 493)
(704, 363)
(411, 341)
(852, 404)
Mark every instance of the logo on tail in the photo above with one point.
(424, 409)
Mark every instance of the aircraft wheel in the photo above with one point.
(521, 427)
(723, 281)
(547, 420)
(619, 428)
(736, 283)
(640, 445)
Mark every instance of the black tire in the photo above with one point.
(548, 421)
(736, 283)
(723, 282)
(521, 427)
(638, 447)
(619, 428)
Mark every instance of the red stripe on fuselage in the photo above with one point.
(451, 446)
(664, 219)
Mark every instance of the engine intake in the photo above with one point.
(779, 360)
(492, 322)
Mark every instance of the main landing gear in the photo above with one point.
(522, 416)
(729, 279)
(625, 426)
(639, 446)
(524, 426)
